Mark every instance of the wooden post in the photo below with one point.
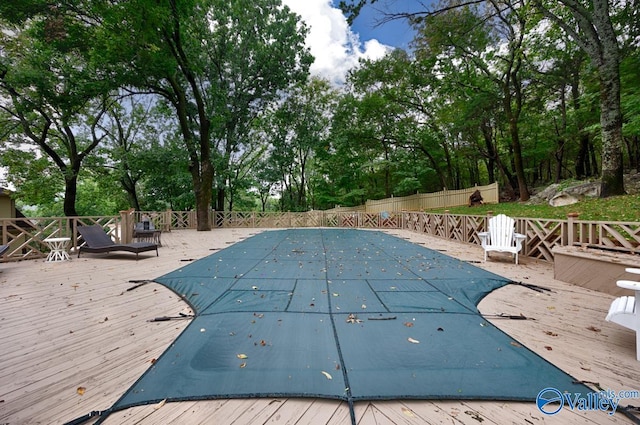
(446, 223)
(166, 225)
(126, 226)
(572, 235)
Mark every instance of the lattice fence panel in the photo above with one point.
(270, 220)
(390, 221)
(182, 220)
(618, 235)
(369, 220)
(542, 235)
(299, 220)
(472, 225)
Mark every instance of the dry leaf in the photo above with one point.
(408, 412)
(159, 405)
(548, 347)
(243, 365)
(551, 333)
(242, 356)
(515, 344)
(413, 341)
(81, 390)
(327, 375)
(153, 361)
(408, 324)
(594, 329)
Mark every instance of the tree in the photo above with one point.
(215, 62)
(52, 99)
(302, 123)
(131, 125)
(591, 26)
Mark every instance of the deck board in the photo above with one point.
(76, 324)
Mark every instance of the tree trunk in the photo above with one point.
(612, 181)
(518, 164)
(129, 186)
(70, 194)
(202, 178)
(491, 154)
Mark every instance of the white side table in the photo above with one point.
(58, 248)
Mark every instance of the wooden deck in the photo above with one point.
(79, 327)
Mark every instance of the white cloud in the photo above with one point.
(336, 48)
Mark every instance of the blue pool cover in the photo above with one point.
(341, 314)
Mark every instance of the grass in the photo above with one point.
(615, 208)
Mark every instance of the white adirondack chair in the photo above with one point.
(501, 236)
(625, 310)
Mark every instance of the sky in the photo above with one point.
(338, 47)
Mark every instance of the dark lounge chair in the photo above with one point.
(97, 241)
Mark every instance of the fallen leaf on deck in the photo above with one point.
(159, 405)
(408, 412)
(548, 348)
(594, 329)
(327, 375)
(153, 361)
(413, 341)
(474, 415)
(81, 390)
(551, 333)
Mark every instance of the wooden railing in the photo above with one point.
(26, 235)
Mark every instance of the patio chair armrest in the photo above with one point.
(629, 284)
(519, 236)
